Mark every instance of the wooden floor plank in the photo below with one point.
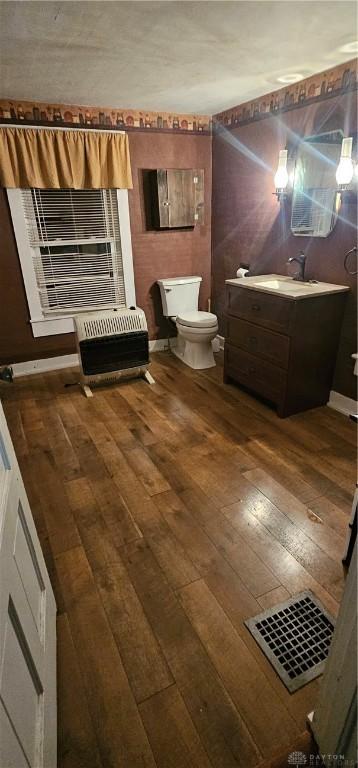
(275, 597)
(16, 427)
(30, 413)
(227, 589)
(77, 744)
(170, 430)
(285, 472)
(147, 472)
(232, 594)
(132, 423)
(221, 728)
(334, 517)
(332, 421)
(306, 520)
(252, 571)
(174, 473)
(56, 511)
(172, 735)
(142, 658)
(291, 573)
(171, 555)
(242, 677)
(98, 538)
(60, 444)
(199, 542)
(315, 561)
(51, 567)
(119, 730)
(105, 491)
(202, 552)
(304, 746)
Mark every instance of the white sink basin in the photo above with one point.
(286, 286)
(276, 285)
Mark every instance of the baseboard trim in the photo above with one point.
(342, 403)
(44, 365)
(159, 345)
(69, 361)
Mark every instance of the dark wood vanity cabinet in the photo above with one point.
(177, 197)
(281, 348)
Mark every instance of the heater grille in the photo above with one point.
(95, 325)
(295, 636)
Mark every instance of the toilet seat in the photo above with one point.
(197, 319)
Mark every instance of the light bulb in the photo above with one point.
(281, 175)
(344, 172)
(291, 178)
(294, 77)
(281, 178)
(349, 47)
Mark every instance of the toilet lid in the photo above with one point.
(197, 319)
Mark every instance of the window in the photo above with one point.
(75, 253)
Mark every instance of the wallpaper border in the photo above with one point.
(23, 112)
(324, 85)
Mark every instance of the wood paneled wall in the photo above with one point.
(155, 254)
(250, 226)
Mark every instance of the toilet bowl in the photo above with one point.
(196, 329)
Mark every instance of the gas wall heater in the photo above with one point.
(112, 344)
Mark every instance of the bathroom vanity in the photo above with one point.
(281, 339)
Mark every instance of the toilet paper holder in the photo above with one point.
(243, 270)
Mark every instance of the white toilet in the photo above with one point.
(196, 330)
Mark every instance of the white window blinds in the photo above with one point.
(74, 237)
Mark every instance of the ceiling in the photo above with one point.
(175, 56)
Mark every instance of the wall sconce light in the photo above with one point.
(344, 172)
(281, 175)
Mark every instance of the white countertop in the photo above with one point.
(281, 285)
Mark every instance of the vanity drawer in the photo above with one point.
(255, 373)
(261, 308)
(272, 346)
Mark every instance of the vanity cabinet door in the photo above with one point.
(261, 308)
(255, 373)
(274, 347)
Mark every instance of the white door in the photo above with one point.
(27, 628)
(334, 722)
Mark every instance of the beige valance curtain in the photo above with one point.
(60, 159)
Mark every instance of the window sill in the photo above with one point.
(52, 326)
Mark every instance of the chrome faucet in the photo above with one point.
(301, 261)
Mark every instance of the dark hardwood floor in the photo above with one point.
(169, 514)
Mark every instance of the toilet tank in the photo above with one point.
(179, 294)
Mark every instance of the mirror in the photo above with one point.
(315, 200)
